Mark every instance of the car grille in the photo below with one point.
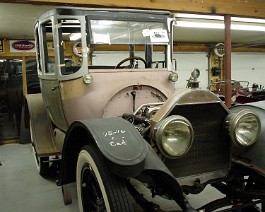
(211, 147)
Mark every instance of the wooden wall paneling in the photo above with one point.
(250, 8)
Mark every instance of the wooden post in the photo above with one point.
(227, 60)
(24, 76)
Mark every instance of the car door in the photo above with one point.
(48, 67)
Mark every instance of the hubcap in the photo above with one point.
(92, 199)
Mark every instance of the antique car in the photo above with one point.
(241, 92)
(252, 94)
(237, 88)
(105, 123)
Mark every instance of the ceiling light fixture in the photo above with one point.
(209, 25)
(216, 22)
(218, 17)
(196, 24)
(75, 36)
(196, 16)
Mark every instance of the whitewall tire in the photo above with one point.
(97, 188)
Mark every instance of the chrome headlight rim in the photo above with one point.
(235, 119)
(159, 129)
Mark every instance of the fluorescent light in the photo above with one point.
(195, 24)
(248, 20)
(216, 22)
(101, 38)
(105, 22)
(196, 16)
(218, 17)
(209, 25)
(248, 27)
(75, 36)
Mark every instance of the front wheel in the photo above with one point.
(97, 188)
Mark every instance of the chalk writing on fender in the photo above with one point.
(115, 137)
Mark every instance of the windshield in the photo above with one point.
(128, 32)
(133, 44)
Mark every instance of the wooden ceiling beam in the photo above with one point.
(249, 8)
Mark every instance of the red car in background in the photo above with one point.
(241, 91)
(252, 94)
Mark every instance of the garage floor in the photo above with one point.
(22, 189)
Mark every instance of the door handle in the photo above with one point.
(55, 87)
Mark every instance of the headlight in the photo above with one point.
(174, 136)
(173, 76)
(244, 127)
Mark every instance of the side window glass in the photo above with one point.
(38, 65)
(48, 47)
(70, 34)
(60, 38)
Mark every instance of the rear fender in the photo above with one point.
(42, 132)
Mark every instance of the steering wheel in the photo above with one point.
(131, 58)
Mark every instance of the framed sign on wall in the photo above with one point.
(22, 46)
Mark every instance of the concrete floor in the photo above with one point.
(22, 189)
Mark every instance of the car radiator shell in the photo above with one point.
(211, 149)
(210, 154)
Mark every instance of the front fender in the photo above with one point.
(120, 143)
(255, 153)
(127, 153)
